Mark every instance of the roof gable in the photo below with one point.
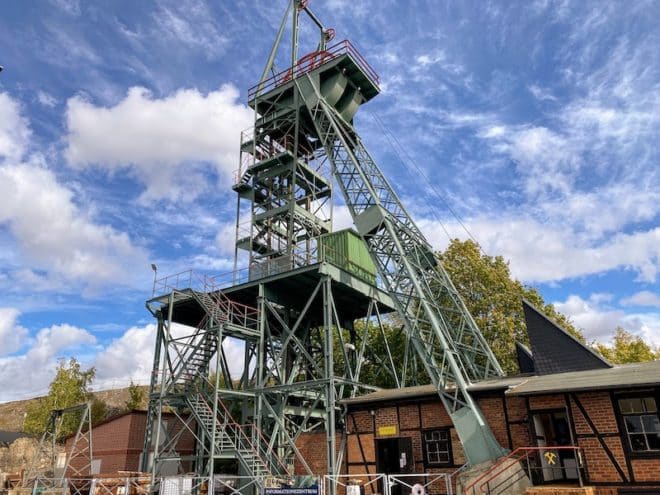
(554, 350)
(525, 358)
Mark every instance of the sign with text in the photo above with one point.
(312, 490)
(387, 430)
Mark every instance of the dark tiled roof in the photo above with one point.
(525, 359)
(554, 350)
(633, 375)
(7, 437)
(401, 394)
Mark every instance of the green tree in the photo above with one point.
(493, 297)
(69, 388)
(627, 348)
(375, 369)
(135, 397)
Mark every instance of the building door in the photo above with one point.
(553, 429)
(394, 456)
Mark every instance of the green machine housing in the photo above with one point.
(347, 250)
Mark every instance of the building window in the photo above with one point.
(642, 423)
(437, 447)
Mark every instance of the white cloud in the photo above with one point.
(162, 140)
(431, 58)
(545, 159)
(14, 131)
(341, 218)
(71, 7)
(597, 324)
(225, 239)
(191, 24)
(600, 321)
(541, 93)
(130, 357)
(50, 341)
(603, 210)
(54, 235)
(56, 241)
(12, 335)
(35, 369)
(642, 298)
(46, 99)
(545, 253)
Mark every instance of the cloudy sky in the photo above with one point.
(537, 123)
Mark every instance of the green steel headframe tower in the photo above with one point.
(302, 314)
(305, 311)
(327, 87)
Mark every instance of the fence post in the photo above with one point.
(578, 458)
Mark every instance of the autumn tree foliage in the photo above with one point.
(493, 297)
(136, 395)
(627, 348)
(70, 387)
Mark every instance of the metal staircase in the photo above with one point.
(228, 436)
(225, 435)
(191, 391)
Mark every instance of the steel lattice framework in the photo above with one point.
(445, 336)
(78, 461)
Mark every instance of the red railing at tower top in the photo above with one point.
(313, 61)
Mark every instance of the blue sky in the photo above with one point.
(536, 121)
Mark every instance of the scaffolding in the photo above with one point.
(78, 460)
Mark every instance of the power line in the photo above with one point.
(396, 146)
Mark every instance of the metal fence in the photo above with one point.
(220, 484)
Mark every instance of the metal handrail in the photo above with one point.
(190, 279)
(519, 454)
(303, 66)
(453, 475)
(241, 436)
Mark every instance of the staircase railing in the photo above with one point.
(202, 344)
(251, 449)
(487, 483)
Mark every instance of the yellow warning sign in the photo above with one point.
(387, 430)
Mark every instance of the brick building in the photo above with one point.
(568, 397)
(117, 443)
(612, 415)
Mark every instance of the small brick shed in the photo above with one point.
(117, 442)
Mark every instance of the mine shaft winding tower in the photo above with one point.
(304, 311)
